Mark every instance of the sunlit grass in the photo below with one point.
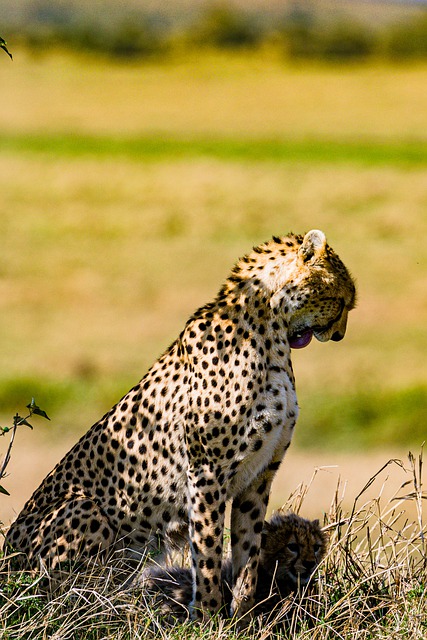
(104, 258)
(214, 94)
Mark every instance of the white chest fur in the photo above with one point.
(270, 426)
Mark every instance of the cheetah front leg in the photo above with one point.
(247, 519)
(207, 514)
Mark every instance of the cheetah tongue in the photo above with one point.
(301, 340)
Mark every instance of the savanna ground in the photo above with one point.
(127, 191)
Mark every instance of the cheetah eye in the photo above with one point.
(316, 548)
(294, 547)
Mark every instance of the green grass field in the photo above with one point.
(128, 191)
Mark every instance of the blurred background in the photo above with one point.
(145, 145)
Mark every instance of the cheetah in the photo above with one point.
(291, 551)
(210, 422)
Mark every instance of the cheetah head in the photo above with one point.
(319, 293)
(292, 548)
(304, 551)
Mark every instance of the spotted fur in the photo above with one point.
(209, 422)
(291, 550)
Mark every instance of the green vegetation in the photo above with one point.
(156, 148)
(367, 418)
(18, 421)
(309, 30)
(3, 45)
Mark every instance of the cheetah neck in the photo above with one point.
(259, 296)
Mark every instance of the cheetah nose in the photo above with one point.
(337, 336)
(309, 564)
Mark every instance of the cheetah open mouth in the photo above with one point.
(300, 339)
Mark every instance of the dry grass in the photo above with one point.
(372, 584)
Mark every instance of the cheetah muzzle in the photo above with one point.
(210, 422)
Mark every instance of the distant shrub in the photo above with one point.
(131, 30)
(224, 27)
(300, 42)
(408, 40)
(124, 32)
(127, 39)
(307, 37)
(346, 40)
(132, 40)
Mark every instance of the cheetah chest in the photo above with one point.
(267, 432)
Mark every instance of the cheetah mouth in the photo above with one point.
(303, 336)
(300, 339)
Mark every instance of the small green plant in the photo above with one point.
(18, 421)
(3, 46)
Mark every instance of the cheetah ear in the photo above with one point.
(313, 245)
